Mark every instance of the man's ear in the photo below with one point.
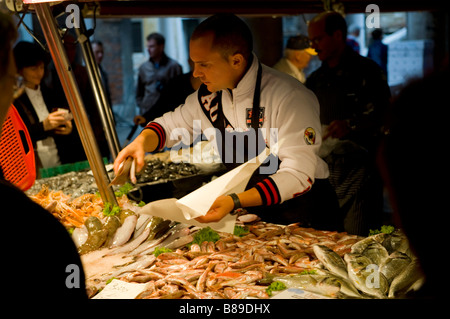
(237, 61)
(338, 35)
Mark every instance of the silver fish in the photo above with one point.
(361, 245)
(365, 276)
(396, 241)
(125, 231)
(411, 278)
(320, 284)
(393, 265)
(142, 263)
(131, 245)
(348, 290)
(332, 261)
(376, 253)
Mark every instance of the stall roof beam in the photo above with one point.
(192, 8)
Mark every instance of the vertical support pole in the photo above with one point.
(103, 106)
(69, 84)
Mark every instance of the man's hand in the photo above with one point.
(54, 120)
(222, 206)
(146, 141)
(139, 120)
(65, 129)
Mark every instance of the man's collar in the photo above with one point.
(164, 59)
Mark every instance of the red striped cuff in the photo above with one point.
(159, 130)
(268, 191)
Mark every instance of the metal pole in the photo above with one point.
(99, 91)
(69, 84)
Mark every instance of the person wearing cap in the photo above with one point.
(353, 95)
(296, 58)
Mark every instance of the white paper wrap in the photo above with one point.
(198, 202)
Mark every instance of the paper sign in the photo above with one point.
(118, 289)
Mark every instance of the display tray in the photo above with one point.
(170, 188)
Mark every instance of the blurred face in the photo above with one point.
(304, 58)
(325, 45)
(33, 75)
(98, 52)
(154, 49)
(216, 72)
(7, 83)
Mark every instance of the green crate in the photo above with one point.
(65, 168)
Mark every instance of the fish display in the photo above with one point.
(172, 262)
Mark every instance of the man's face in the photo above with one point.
(216, 72)
(154, 49)
(324, 44)
(98, 52)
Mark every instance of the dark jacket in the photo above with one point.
(69, 146)
(355, 90)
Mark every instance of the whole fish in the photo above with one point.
(112, 223)
(142, 263)
(393, 265)
(376, 253)
(396, 241)
(127, 171)
(131, 245)
(365, 276)
(141, 224)
(361, 245)
(125, 231)
(320, 284)
(97, 235)
(331, 260)
(348, 290)
(411, 278)
(80, 235)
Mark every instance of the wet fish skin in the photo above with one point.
(411, 277)
(332, 261)
(376, 253)
(361, 271)
(348, 290)
(124, 232)
(361, 245)
(393, 265)
(321, 284)
(112, 223)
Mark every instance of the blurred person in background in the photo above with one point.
(155, 73)
(296, 58)
(353, 95)
(49, 123)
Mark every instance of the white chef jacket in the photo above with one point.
(289, 108)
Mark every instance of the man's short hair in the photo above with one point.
(334, 21)
(231, 34)
(98, 42)
(158, 37)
